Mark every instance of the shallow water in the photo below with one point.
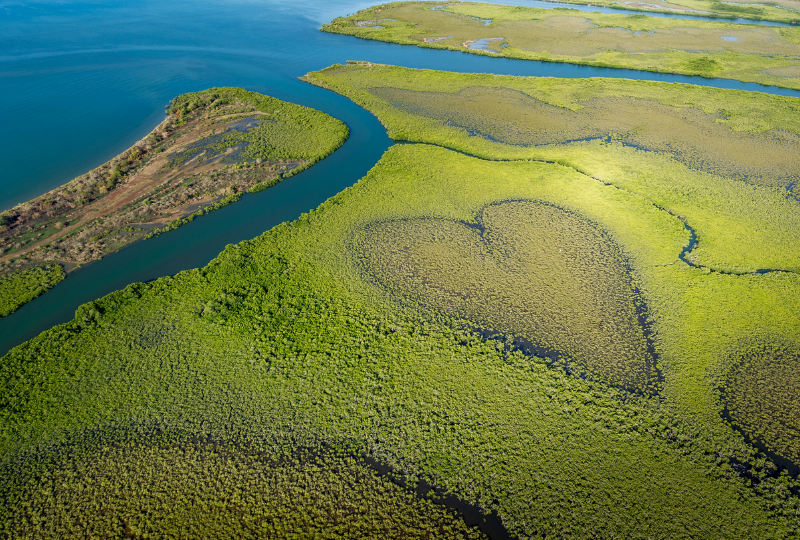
(82, 81)
(200, 147)
(598, 9)
(483, 44)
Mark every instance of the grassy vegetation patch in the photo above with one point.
(697, 139)
(687, 149)
(734, 8)
(761, 394)
(768, 10)
(260, 127)
(22, 286)
(690, 47)
(229, 145)
(200, 489)
(703, 66)
(527, 268)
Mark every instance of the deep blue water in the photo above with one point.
(82, 81)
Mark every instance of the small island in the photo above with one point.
(768, 55)
(213, 147)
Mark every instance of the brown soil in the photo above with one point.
(84, 216)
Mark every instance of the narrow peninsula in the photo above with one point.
(213, 147)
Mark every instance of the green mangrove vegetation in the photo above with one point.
(724, 161)
(760, 393)
(761, 54)
(282, 342)
(214, 146)
(199, 489)
(264, 128)
(22, 286)
(526, 268)
(700, 311)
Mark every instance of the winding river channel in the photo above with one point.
(82, 81)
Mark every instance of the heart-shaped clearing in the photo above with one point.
(527, 268)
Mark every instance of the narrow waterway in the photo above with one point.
(689, 14)
(93, 79)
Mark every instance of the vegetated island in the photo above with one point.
(349, 340)
(786, 11)
(759, 54)
(723, 162)
(213, 147)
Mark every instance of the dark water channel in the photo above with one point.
(490, 524)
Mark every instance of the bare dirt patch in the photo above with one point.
(142, 189)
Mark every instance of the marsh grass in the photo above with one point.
(724, 161)
(767, 10)
(627, 41)
(761, 395)
(527, 268)
(691, 136)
